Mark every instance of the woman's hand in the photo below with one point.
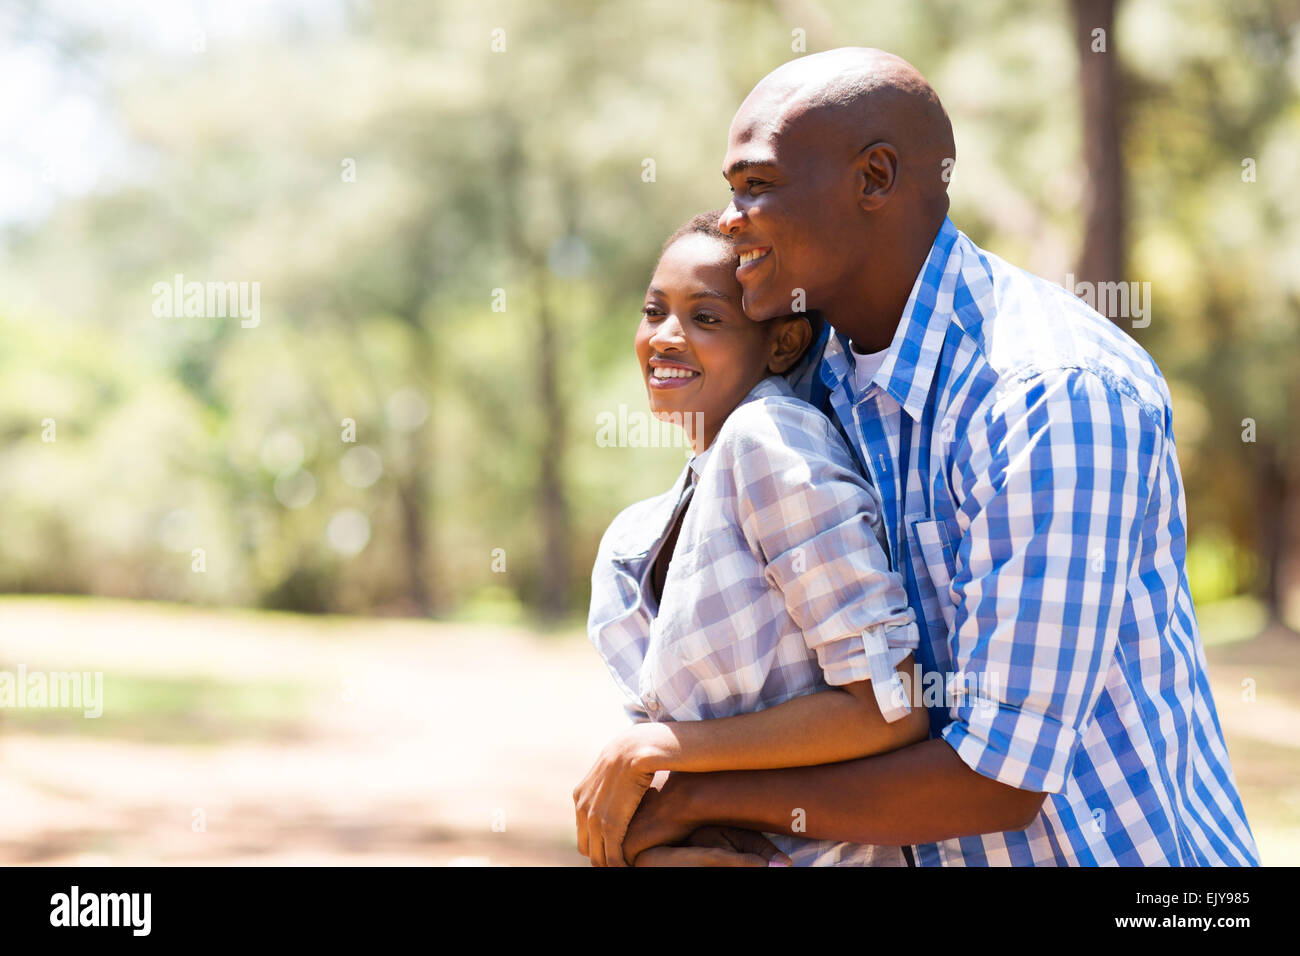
(611, 791)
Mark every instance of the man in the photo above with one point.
(1024, 451)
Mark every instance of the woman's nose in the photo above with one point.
(668, 332)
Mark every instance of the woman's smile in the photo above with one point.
(664, 374)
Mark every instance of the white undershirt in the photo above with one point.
(866, 366)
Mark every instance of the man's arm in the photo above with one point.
(919, 794)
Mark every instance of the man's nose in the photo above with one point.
(729, 221)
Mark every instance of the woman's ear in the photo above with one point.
(789, 341)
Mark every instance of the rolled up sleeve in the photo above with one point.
(813, 518)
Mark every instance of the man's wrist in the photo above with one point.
(681, 803)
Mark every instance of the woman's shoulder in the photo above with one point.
(773, 417)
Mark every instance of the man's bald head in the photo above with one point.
(838, 164)
(855, 96)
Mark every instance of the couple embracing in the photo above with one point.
(916, 469)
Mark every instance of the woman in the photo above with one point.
(748, 614)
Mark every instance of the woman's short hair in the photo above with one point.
(706, 224)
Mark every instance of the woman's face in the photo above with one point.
(699, 352)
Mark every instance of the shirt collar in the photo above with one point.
(639, 541)
(909, 366)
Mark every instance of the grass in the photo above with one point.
(190, 711)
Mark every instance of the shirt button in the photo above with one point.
(956, 688)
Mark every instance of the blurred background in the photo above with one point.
(332, 555)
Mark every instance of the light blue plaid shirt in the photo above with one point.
(1023, 448)
(778, 586)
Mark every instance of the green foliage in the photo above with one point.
(522, 170)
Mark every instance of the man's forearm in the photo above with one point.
(919, 794)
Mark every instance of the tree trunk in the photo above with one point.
(1270, 498)
(411, 493)
(1102, 256)
(551, 501)
(552, 504)
(416, 482)
(1277, 512)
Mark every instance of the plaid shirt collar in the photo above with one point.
(931, 307)
(635, 547)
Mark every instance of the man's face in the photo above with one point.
(698, 350)
(792, 208)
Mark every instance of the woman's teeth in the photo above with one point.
(660, 371)
(752, 255)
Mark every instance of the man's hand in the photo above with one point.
(661, 818)
(606, 799)
(717, 846)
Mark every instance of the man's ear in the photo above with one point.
(788, 343)
(877, 170)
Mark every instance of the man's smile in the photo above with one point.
(750, 258)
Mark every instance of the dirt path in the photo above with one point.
(234, 738)
(407, 742)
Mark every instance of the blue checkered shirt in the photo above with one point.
(778, 585)
(1023, 448)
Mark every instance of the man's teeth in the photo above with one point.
(660, 371)
(752, 255)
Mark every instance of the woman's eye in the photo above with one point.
(706, 318)
(649, 311)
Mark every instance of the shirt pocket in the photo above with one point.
(933, 563)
